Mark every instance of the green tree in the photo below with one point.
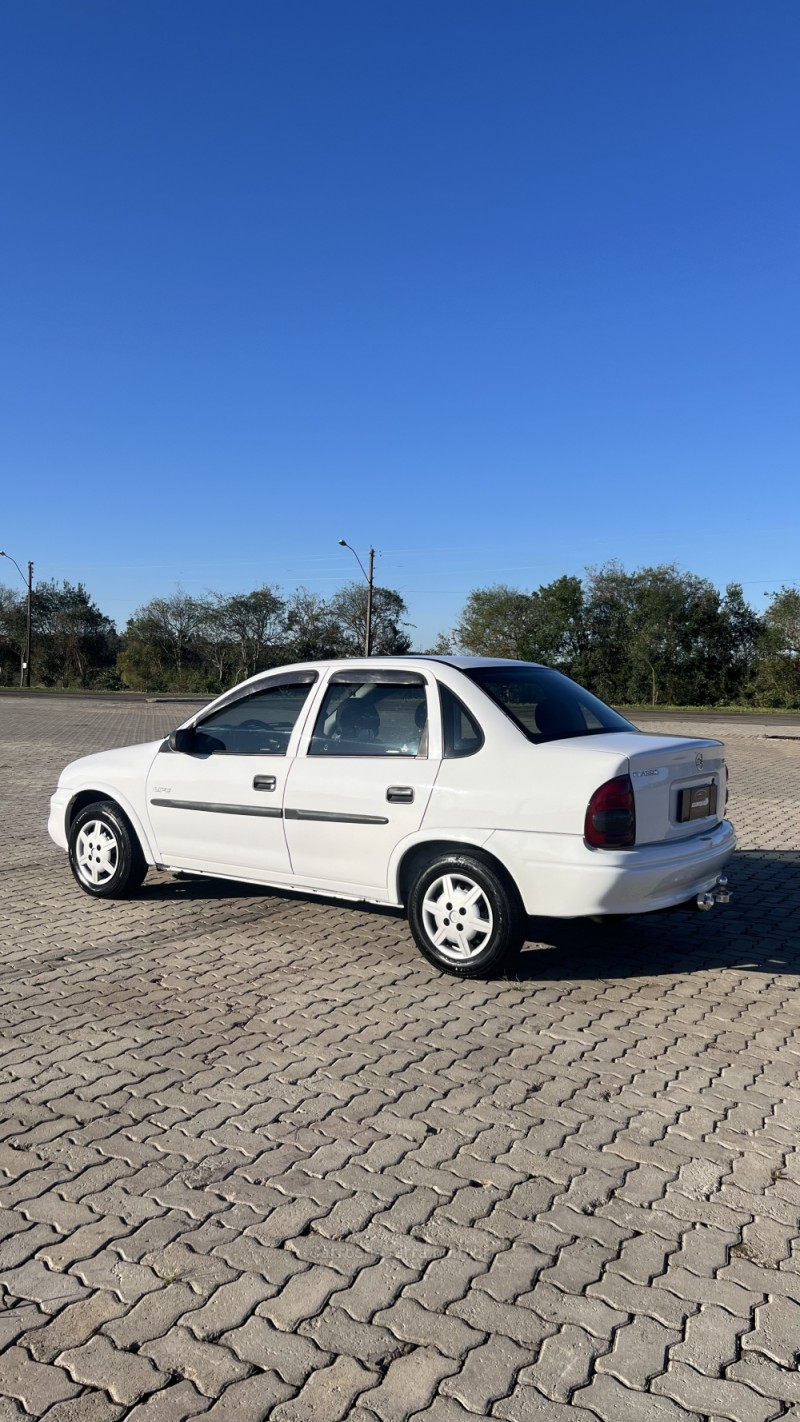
(558, 633)
(12, 636)
(163, 649)
(312, 634)
(255, 624)
(740, 638)
(496, 622)
(348, 608)
(655, 635)
(73, 641)
(778, 678)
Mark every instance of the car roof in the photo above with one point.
(462, 663)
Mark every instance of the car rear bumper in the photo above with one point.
(560, 876)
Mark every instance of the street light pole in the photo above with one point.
(25, 674)
(28, 627)
(370, 584)
(368, 637)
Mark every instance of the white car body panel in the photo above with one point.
(326, 825)
(562, 877)
(118, 775)
(239, 828)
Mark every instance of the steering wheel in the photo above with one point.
(255, 725)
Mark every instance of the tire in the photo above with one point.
(104, 854)
(454, 890)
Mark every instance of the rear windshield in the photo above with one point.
(546, 705)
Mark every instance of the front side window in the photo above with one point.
(260, 724)
(546, 705)
(372, 718)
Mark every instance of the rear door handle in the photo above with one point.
(400, 794)
(264, 782)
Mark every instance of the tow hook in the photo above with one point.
(720, 894)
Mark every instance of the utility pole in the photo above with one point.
(28, 622)
(370, 585)
(370, 581)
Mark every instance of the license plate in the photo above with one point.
(697, 803)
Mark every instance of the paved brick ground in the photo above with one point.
(258, 1160)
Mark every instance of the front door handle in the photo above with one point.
(400, 794)
(264, 782)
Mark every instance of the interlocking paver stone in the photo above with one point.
(250, 1400)
(488, 1373)
(126, 1376)
(229, 1306)
(409, 1384)
(260, 1342)
(50, 1290)
(376, 1287)
(153, 1315)
(227, 1113)
(36, 1385)
(564, 1362)
(764, 1376)
(171, 1404)
(335, 1331)
(777, 1332)
(711, 1340)
(607, 1398)
(640, 1351)
(525, 1404)
(209, 1366)
(718, 1397)
(87, 1407)
(73, 1326)
(329, 1394)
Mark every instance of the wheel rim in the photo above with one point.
(458, 917)
(96, 853)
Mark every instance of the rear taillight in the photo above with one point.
(727, 788)
(611, 815)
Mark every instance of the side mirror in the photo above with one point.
(181, 740)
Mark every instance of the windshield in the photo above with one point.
(546, 705)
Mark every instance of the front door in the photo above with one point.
(217, 805)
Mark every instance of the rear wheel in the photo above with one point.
(104, 854)
(464, 918)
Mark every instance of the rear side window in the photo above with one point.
(460, 731)
(546, 705)
(365, 716)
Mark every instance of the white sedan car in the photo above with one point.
(472, 791)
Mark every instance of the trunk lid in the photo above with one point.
(679, 784)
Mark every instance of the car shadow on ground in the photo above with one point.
(758, 931)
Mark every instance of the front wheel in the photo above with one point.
(464, 918)
(104, 854)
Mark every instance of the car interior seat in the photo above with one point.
(550, 720)
(356, 720)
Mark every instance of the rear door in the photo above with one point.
(362, 781)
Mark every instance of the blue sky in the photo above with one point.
(503, 287)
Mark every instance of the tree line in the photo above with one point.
(656, 636)
(182, 643)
